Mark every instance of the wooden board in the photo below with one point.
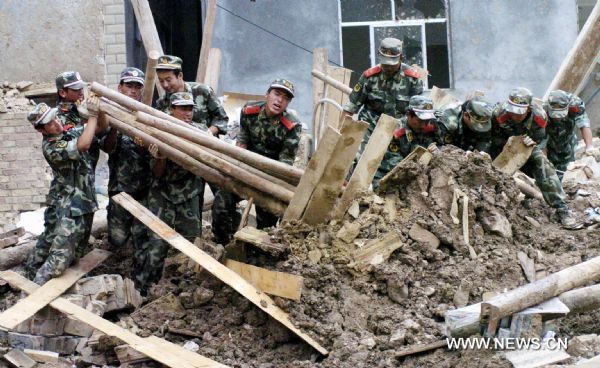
(312, 175)
(213, 69)
(513, 156)
(376, 251)
(259, 239)
(319, 61)
(229, 277)
(42, 356)
(26, 308)
(142, 345)
(329, 187)
(368, 164)
(207, 32)
(275, 283)
(332, 115)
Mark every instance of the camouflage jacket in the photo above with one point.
(69, 116)
(129, 166)
(73, 173)
(377, 94)
(276, 137)
(561, 133)
(208, 110)
(503, 128)
(452, 130)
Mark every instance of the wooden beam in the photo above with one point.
(211, 265)
(368, 164)
(260, 239)
(246, 214)
(13, 256)
(415, 349)
(213, 69)
(144, 346)
(329, 187)
(275, 283)
(331, 81)
(207, 31)
(376, 251)
(313, 173)
(18, 232)
(320, 64)
(26, 308)
(150, 77)
(332, 115)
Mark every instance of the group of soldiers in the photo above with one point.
(395, 89)
(73, 135)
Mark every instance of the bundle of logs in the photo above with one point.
(270, 183)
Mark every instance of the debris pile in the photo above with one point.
(12, 97)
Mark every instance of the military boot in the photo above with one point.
(567, 219)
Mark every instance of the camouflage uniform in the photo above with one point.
(566, 114)
(533, 126)
(277, 138)
(74, 182)
(452, 129)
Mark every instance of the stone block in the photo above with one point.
(25, 341)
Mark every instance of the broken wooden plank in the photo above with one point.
(25, 308)
(18, 359)
(142, 345)
(329, 187)
(376, 251)
(368, 163)
(275, 283)
(229, 277)
(183, 332)
(42, 356)
(514, 155)
(11, 240)
(18, 232)
(421, 348)
(246, 214)
(260, 239)
(312, 175)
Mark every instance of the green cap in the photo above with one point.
(422, 107)
(519, 100)
(41, 115)
(390, 50)
(131, 74)
(283, 84)
(558, 104)
(70, 79)
(480, 114)
(182, 99)
(169, 62)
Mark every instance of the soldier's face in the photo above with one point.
(277, 102)
(416, 124)
(169, 82)
(52, 128)
(71, 95)
(390, 69)
(184, 113)
(517, 118)
(131, 89)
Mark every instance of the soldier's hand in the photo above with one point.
(93, 105)
(153, 149)
(138, 141)
(591, 151)
(433, 148)
(528, 141)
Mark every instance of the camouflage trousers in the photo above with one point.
(68, 244)
(540, 168)
(44, 241)
(120, 221)
(226, 218)
(561, 160)
(150, 254)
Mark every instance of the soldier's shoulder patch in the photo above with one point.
(251, 109)
(357, 87)
(448, 138)
(372, 71)
(502, 118)
(399, 133)
(412, 73)
(287, 123)
(61, 144)
(540, 121)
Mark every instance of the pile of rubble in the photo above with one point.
(12, 97)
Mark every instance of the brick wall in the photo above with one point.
(24, 174)
(114, 40)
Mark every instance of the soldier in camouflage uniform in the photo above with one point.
(518, 117)
(566, 113)
(269, 129)
(67, 154)
(128, 163)
(417, 128)
(467, 125)
(174, 197)
(385, 88)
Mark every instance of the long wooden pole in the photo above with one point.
(207, 31)
(150, 81)
(208, 173)
(331, 81)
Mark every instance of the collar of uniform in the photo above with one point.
(262, 115)
(65, 106)
(53, 137)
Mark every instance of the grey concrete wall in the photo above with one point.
(501, 44)
(39, 39)
(252, 57)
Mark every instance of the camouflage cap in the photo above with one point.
(390, 50)
(283, 84)
(182, 99)
(558, 104)
(519, 100)
(480, 114)
(422, 107)
(169, 62)
(131, 74)
(41, 115)
(70, 79)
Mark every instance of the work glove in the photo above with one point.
(433, 148)
(92, 105)
(138, 141)
(153, 149)
(528, 141)
(591, 151)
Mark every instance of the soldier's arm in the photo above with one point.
(84, 142)
(217, 124)
(577, 111)
(109, 142)
(416, 87)
(357, 97)
(243, 136)
(290, 145)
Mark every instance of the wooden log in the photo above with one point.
(16, 255)
(258, 298)
(145, 346)
(213, 69)
(319, 60)
(18, 232)
(207, 31)
(312, 175)
(147, 27)
(260, 239)
(246, 214)
(331, 81)
(415, 349)
(25, 308)
(527, 188)
(204, 171)
(582, 300)
(536, 292)
(150, 79)
(368, 164)
(8, 241)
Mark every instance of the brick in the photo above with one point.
(7, 130)
(114, 9)
(114, 68)
(110, 39)
(64, 345)
(122, 59)
(114, 29)
(108, 20)
(7, 144)
(120, 38)
(24, 341)
(119, 18)
(110, 59)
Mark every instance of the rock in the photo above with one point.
(461, 297)
(417, 233)
(202, 296)
(369, 342)
(398, 337)
(354, 209)
(396, 290)
(100, 224)
(409, 324)
(191, 346)
(532, 221)
(496, 223)
(315, 256)
(429, 291)
(587, 346)
(23, 84)
(13, 93)
(348, 232)
(155, 314)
